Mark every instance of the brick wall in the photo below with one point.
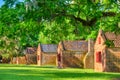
(39, 55)
(99, 47)
(73, 59)
(113, 60)
(110, 57)
(48, 58)
(31, 58)
(22, 60)
(19, 60)
(13, 61)
(89, 57)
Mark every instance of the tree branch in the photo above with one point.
(110, 14)
(90, 22)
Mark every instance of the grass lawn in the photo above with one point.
(27, 72)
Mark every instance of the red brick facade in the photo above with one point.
(31, 56)
(104, 59)
(19, 60)
(113, 60)
(46, 54)
(73, 53)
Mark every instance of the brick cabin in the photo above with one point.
(46, 54)
(31, 55)
(29, 58)
(107, 58)
(18, 60)
(72, 54)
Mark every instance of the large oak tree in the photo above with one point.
(30, 22)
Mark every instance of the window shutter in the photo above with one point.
(98, 57)
(99, 40)
(59, 57)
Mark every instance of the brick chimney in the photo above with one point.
(39, 55)
(89, 57)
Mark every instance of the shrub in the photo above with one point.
(109, 43)
(6, 60)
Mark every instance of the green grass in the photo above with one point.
(27, 72)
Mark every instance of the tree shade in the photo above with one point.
(31, 22)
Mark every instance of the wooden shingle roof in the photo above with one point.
(48, 48)
(110, 35)
(75, 45)
(113, 37)
(117, 41)
(31, 50)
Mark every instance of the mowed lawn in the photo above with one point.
(32, 72)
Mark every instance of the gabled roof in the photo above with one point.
(101, 33)
(112, 37)
(117, 41)
(48, 48)
(31, 50)
(75, 45)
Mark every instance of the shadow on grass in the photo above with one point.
(49, 73)
(24, 65)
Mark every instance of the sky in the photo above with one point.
(1, 2)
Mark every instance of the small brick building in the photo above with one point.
(89, 57)
(28, 58)
(19, 60)
(107, 52)
(31, 55)
(72, 54)
(46, 54)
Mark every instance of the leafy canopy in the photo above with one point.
(30, 22)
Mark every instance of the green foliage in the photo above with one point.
(5, 55)
(13, 55)
(27, 23)
(109, 43)
(21, 54)
(93, 35)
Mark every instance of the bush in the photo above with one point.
(21, 54)
(109, 43)
(6, 60)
